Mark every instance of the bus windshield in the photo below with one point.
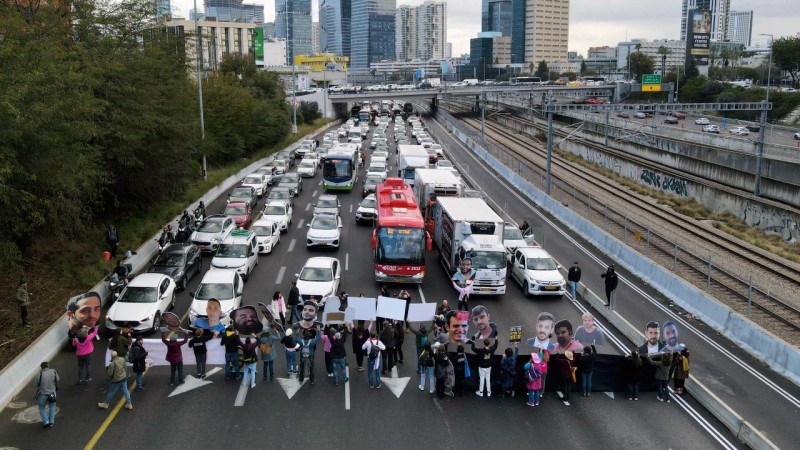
(400, 245)
(337, 168)
(408, 173)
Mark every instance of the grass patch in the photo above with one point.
(690, 207)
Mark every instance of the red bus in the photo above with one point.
(399, 241)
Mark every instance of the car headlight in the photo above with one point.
(218, 238)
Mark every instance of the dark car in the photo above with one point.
(753, 128)
(281, 193)
(624, 115)
(678, 115)
(286, 155)
(294, 182)
(671, 120)
(243, 194)
(178, 261)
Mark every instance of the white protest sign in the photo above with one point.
(421, 312)
(364, 307)
(157, 353)
(391, 308)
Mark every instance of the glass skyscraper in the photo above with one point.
(372, 37)
(293, 23)
(224, 10)
(334, 21)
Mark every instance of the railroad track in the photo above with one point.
(761, 306)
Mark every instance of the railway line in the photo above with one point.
(733, 287)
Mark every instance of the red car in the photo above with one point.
(432, 156)
(240, 211)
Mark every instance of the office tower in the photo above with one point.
(372, 32)
(252, 13)
(334, 24)
(431, 30)
(546, 31)
(293, 23)
(740, 27)
(405, 25)
(719, 16)
(224, 10)
(314, 38)
(163, 10)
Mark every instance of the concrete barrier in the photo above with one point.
(21, 370)
(754, 339)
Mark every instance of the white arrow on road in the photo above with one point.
(191, 382)
(396, 385)
(291, 385)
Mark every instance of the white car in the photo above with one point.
(279, 211)
(377, 169)
(439, 150)
(312, 156)
(377, 160)
(307, 168)
(327, 203)
(367, 210)
(324, 231)
(739, 131)
(258, 181)
(270, 172)
(342, 132)
(302, 150)
(711, 129)
(225, 286)
(319, 278)
(537, 272)
(212, 232)
(238, 252)
(268, 234)
(797, 136)
(702, 121)
(513, 238)
(142, 302)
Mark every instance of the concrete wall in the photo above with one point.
(19, 372)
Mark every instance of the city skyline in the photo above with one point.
(591, 23)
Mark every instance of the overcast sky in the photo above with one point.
(593, 22)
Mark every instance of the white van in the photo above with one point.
(239, 251)
(354, 135)
(471, 82)
(224, 285)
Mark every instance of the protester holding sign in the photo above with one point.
(175, 356)
(508, 370)
(373, 347)
(485, 355)
(486, 329)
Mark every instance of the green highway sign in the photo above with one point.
(651, 78)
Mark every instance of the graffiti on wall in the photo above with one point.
(665, 183)
(772, 221)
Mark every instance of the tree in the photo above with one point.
(663, 51)
(582, 70)
(309, 111)
(640, 64)
(541, 70)
(786, 55)
(530, 67)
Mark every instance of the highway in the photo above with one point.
(351, 416)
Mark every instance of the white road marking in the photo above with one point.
(314, 194)
(191, 382)
(396, 385)
(346, 261)
(421, 295)
(347, 388)
(291, 385)
(291, 245)
(242, 394)
(351, 208)
(308, 206)
(301, 223)
(281, 272)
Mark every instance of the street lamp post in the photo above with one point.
(204, 170)
(294, 75)
(763, 128)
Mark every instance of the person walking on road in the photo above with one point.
(23, 298)
(426, 364)
(339, 355)
(294, 302)
(611, 279)
(266, 345)
(174, 356)
(117, 379)
(360, 336)
(308, 346)
(279, 307)
(374, 347)
(290, 346)
(250, 360)
(421, 337)
(112, 239)
(574, 277)
(46, 387)
(484, 355)
(84, 347)
(138, 359)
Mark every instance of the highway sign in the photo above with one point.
(651, 88)
(651, 78)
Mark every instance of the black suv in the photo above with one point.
(178, 261)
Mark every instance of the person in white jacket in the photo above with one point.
(373, 348)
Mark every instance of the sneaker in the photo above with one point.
(335, 384)
(659, 399)
(588, 394)
(536, 404)
(89, 380)
(102, 405)
(128, 406)
(50, 425)
(488, 394)
(45, 425)
(371, 386)
(80, 382)
(360, 369)
(203, 376)
(530, 404)
(330, 375)
(479, 393)
(667, 400)
(252, 386)
(199, 375)
(312, 381)
(172, 385)
(636, 398)
(346, 380)
(378, 386)
(181, 382)
(422, 388)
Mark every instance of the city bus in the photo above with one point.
(526, 80)
(399, 240)
(340, 167)
(364, 115)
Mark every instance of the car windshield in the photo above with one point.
(487, 260)
(541, 264)
(261, 230)
(210, 227)
(368, 203)
(220, 291)
(252, 180)
(279, 194)
(170, 260)
(290, 178)
(399, 245)
(377, 168)
(138, 295)
(274, 210)
(327, 203)
(316, 274)
(231, 251)
(324, 223)
(511, 234)
(307, 164)
(235, 211)
(241, 192)
(447, 164)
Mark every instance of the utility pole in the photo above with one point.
(294, 75)
(549, 142)
(763, 130)
(204, 170)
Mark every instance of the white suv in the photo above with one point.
(225, 286)
(537, 272)
(238, 251)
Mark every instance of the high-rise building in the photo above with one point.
(163, 10)
(740, 27)
(719, 16)
(216, 40)
(224, 10)
(602, 52)
(293, 23)
(252, 13)
(431, 30)
(481, 54)
(334, 26)
(314, 38)
(372, 32)
(497, 15)
(546, 31)
(676, 55)
(405, 30)
(269, 31)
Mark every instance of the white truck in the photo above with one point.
(469, 228)
(430, 184)
(409, 159)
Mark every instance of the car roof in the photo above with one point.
(276, 202)
(239, 236)
(262, 222)
(147, 280)
(237, 203)
(279, 188)
(327, 197)
(218, 276)
(178, 248)
(536, 252)
(216, 218)
(319, 261)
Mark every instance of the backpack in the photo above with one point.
(532, 374)
(425, 359)
(423, 340)
(265, 348)
(374, 350)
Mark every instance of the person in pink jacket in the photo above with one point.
(84, 347)
(535, 370)
(174, 356)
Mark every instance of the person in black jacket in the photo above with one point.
(585, 366)
(138, 355)
(198, 344)
(230, 340)
(360, 336)
(294, 302)
(484, 355)
(339, 355)
(611, 279)
(574, 277)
